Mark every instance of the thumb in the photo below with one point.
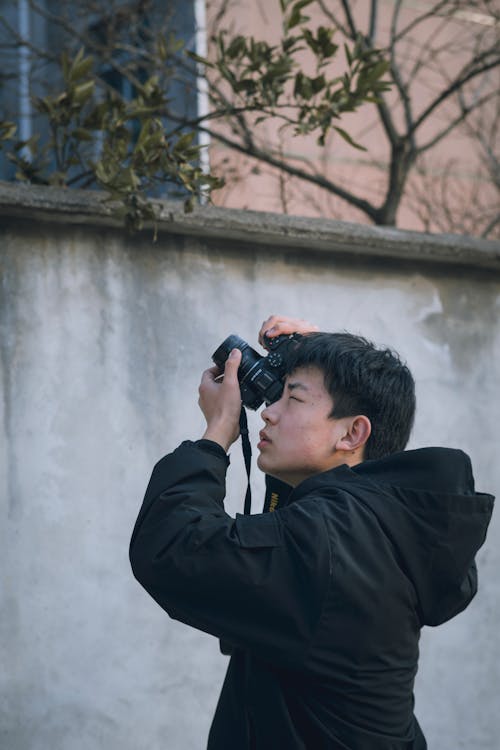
(232, 365)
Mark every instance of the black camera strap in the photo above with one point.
(277, 494)
(225, 647)
(247, 455)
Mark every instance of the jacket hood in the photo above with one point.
(426, 504)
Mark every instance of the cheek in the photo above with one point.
(318, 441)
(307, 442)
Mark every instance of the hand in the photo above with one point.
(220, 401)
(279, 324)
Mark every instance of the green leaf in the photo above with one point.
(101, 173)
(174, 44)
(198, 58)
(44, 105)
(292, 43)
(161, 47)
(83, 92)
(184, 142)
(348, 138)
(81, 134)
(297, 6)
(379, 69)
(7, 130)
(305, 87)
(81, 70)
(348, 55)
(247, 85)
(237, 47)
(295, 19)
(318, 83)
(65, 65)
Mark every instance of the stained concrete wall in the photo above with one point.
(103, 338)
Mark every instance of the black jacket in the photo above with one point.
(322, 600)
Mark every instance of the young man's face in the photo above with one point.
(299, 438)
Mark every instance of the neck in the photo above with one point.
(351, 458)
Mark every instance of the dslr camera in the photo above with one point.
(261, 378)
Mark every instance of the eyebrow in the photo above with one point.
(297, 385)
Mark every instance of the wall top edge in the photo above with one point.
(60, 205)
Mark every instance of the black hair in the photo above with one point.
(362, 379)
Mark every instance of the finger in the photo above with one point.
(266, 325)
(291, 325)
(210, 375)
(215, 370)
(279, 324)
(232, 365)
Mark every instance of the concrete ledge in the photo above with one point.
(59, 205)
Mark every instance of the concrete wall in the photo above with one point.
(102, 341)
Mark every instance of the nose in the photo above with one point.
(270, 413)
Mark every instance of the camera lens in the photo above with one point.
(248, 359)
(250, 392)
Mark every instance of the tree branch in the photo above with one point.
(458, 83)
(315, 179)
(464, 114)
(38, 52)
(349, 17)
(427, 52)
(434, 11)
(333, 18)
(373, 22)
(491, 226)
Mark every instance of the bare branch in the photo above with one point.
(349, 17)
(475, 68)
(488, 230)
(38, 52)
(427, 52)
(433, 11)
(316, 179)
(372, 30)
(462, 117)
(394, 26)
(333, 18)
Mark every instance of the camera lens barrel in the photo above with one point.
(227, 346)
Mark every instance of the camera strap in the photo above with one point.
(247, 456)
(277, 492)
(225, 647)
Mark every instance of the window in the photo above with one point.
(33, 33)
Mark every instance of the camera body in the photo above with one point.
(261, 378)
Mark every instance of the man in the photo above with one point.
(323, 599)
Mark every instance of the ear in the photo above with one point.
(356, 432)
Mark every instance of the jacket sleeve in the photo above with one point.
(257, 582)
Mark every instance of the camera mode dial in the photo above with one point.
(275, 359)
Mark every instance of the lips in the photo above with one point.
(264, 439)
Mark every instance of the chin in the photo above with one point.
(265, 467)
(261, 463)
